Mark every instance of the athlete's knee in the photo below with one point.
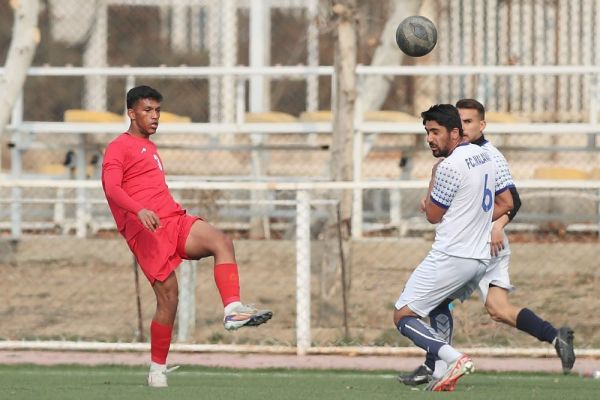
(499, 312)
(168, 297)
(221, 241)
(401, 314)
(494, 314)
(396, 319)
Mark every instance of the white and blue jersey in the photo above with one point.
(504, 180)
(465, 185)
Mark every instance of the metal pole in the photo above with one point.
(80, 171)
(303, 339)
(358, 150)
(343, 265)
(138, 297)
(186, 314)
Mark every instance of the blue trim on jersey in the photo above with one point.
(437, 203)
(504, 189)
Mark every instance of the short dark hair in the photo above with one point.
(472, 104)
(142, 92)
(444, 114)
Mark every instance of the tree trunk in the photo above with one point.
(387, 53)
(344, 18)
(25, 38)
(345, 99)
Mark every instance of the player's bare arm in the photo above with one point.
(497, 240)
(503, 203)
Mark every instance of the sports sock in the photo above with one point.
(421, 334)
(160, 341)
(448, 353)
(230, 307)
(529, 322)
(440, 369)
(157, 367)
(442, 322)
(228, 282)
(430, 359)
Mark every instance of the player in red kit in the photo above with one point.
(160, 233)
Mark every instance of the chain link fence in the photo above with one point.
(117, 33)
(58, 286)
(68, 275)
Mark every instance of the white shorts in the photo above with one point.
(439, 277)
(496, 274)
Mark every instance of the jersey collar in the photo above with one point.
(481, 141)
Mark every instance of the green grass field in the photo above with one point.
(117, 382)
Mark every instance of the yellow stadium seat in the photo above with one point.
(502, 117)
(166, 116)
(372, 116)
(59, 170)
(316, 116)
(559, 173)
(269, 116)
(389, 116)
(76, 115)
(595, 174)
(53, 169)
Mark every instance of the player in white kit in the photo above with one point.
(461, 199)
(495, 285)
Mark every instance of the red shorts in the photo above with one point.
(160, 252)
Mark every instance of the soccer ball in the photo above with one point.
(416, 36)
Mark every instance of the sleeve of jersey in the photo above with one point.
(112, 178)
(445, 185)
(504, 179)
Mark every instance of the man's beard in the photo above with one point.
(439, 153)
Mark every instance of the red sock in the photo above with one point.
(160, 341)
(228, 282)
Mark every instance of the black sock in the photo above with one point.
(530, 323)
(430, 361)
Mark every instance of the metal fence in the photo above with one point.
(60, 287)
(68, 276)
(263, 145)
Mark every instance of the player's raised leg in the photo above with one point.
(205, 240)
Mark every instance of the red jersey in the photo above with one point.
(133, 178)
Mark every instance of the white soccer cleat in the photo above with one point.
(245, 315)
(456, 370)
(158, 378)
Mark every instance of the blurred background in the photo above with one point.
(250, 96)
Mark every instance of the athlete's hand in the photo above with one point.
(149, 219)
(423, 200)
(497, 242)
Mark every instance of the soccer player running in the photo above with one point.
(461, 199)
(495, 285)
(160, 233)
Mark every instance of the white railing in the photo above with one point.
(303, 202)
(20, 129)
(83, 200)
(242, 74)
